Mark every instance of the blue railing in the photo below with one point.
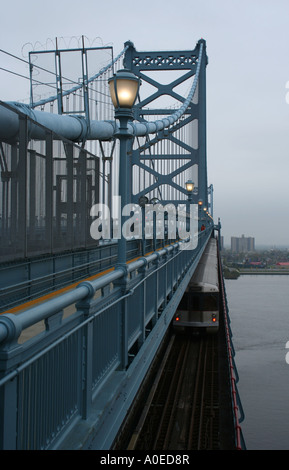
(57, 358)
(237, 408)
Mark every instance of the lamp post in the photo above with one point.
(189, 187)
(123, 86)
(200, 214)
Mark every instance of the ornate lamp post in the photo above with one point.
(200, 214)
(123, 86)
(190, 188)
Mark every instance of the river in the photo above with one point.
(259, 312)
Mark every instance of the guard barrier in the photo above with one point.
(52, 382)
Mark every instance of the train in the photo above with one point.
(198, 310)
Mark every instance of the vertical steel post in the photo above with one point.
(202, 137)
(49, 192)
(123, 136)
(87, 358)
(14, 192)
(85, 82)
(32, 198)
(58, 80)
(8, 413)
(70, 196)
(22, 179)
(123, 197)
(82, 193)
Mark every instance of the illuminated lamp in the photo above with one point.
(123, 87)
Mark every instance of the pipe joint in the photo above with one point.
(11, 328)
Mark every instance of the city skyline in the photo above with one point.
(227, 243)
(242, 244)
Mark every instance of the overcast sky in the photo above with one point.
(247, 114)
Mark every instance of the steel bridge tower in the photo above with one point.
(173, 154)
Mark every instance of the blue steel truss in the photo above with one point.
(180, 155)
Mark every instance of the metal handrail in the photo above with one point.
(119, 289)
(236, 402)
(11, 325)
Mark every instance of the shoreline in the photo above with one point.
(264, 271)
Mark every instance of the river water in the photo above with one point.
(259, 313)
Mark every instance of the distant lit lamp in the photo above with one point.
(200, 203)
(123, 87)
(189, 187)
(154, 201)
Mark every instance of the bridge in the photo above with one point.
(105, 213)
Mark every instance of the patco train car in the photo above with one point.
(199, 307)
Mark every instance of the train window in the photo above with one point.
(210, 302)
(195, 303)
(183, 305)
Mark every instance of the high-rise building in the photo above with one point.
(242, 244)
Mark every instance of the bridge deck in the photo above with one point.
(129, 434)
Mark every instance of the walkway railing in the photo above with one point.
(237, 409)
(56, 357)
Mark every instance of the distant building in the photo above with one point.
(242, 244)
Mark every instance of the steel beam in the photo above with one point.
(74, 128)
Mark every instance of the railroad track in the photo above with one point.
(181, 411)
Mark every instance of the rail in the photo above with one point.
(236, 403)
(181, 412)
(51, 382)
(37, 276)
